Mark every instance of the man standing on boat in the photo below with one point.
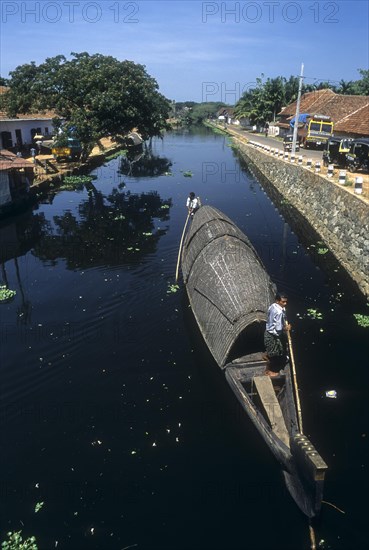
(275, 335)
(192, 203)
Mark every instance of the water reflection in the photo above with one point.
(17, 238)
(108, 230)
(143, 163)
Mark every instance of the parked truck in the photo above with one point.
(69, 149)
(314, 130)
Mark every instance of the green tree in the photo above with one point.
(274, 93)
(345, 87)
(291, 89)
(95, 95)
(254, 104)
(363, 84)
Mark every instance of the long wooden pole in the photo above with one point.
(180, 246)
(294, 379)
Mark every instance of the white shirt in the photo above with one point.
(276, 319)
(192, 204)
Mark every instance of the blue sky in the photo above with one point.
(196, 50)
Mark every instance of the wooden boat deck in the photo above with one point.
(272, 407)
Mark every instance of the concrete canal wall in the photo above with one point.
(339, 217)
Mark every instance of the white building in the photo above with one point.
(20, 130)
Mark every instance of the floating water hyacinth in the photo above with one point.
(172, 288)
(314, 314)
(6, 293)
(70, 182)
(15, 541)
(78, 179)
(362, 320)
(38, 507)
(120, 153)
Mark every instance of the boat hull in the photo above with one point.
(229, 292)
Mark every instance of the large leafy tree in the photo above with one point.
(95, 95)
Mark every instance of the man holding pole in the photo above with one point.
(192, 203)
(275, 335)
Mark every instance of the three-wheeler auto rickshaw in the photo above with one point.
(335, 152)
(357, 157)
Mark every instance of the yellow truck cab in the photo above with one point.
(313, 130)
(317, 131)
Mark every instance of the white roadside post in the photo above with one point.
(342, 177)
(359, 185)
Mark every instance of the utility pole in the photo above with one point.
(297, 114)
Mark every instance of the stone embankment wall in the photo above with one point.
(340, 218)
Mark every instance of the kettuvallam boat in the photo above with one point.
(229, 293)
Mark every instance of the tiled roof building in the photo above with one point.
(349, 113)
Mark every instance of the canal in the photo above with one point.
(116, 425)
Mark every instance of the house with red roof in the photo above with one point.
(349, 113)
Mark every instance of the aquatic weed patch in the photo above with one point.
(314, 314)
(322, 250)
(15, 542)
(73, 182)
(6, 294)
(117, 154)
(172, 289)
(362, 320)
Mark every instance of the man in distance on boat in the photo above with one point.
(192, 203)
(275, 335)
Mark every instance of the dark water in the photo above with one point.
(114, 415)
